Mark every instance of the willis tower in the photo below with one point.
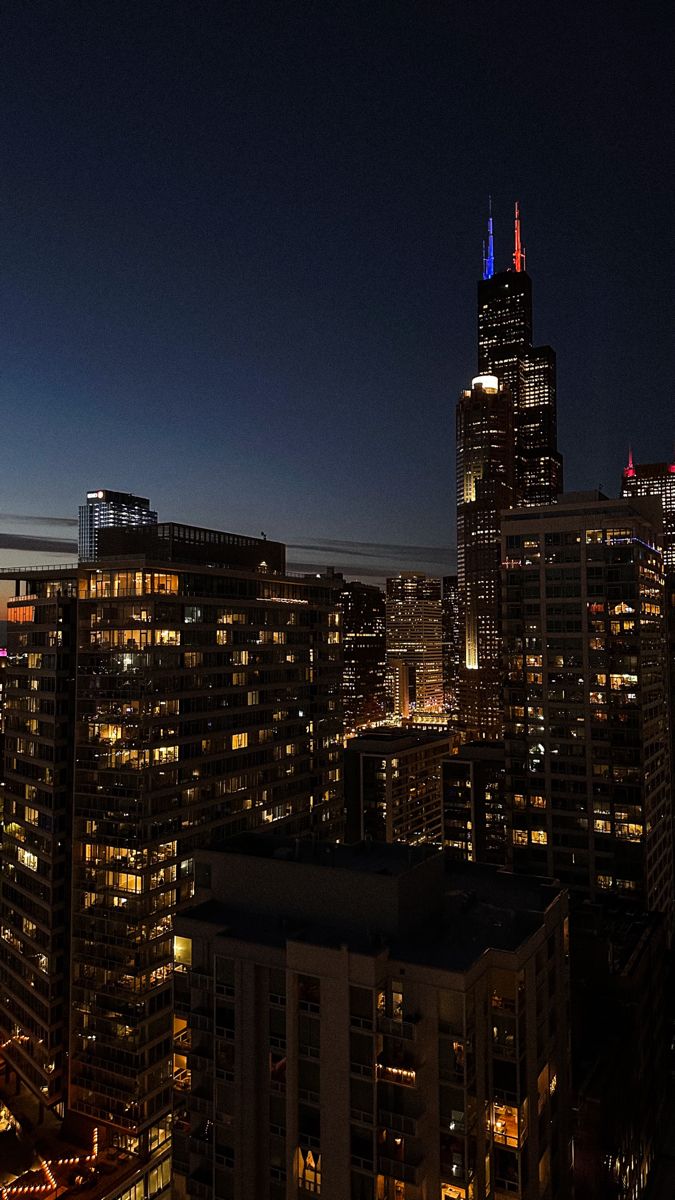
(529, 372)
(507, 457)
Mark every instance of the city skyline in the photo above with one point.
(268, 294)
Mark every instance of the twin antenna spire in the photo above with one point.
(489, 246)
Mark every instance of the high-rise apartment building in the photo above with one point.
(364, 655)
(393, 785)
(179, 690)
(505, 349)
(484, 489)
(414, 644)
(372, 1022)
(452, 641)
(587, 748)
(474, 804)
(105, 509)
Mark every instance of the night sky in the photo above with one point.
(240, 245)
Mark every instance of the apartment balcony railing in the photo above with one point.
(404, 1029)
(406, 1172)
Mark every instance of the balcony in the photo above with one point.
(406, 1172)
(405, 1076)
(362, 1070)
(398, 1122)
(404, 1029)
(361, 1023)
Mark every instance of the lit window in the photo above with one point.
(27, 858)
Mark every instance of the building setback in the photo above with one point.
(372, 1022)
(587, 748)
(158, 700)
(364, 655)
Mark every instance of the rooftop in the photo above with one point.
(446, 917)
(394, 738)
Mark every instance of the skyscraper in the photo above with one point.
(452, 643)
(206, 701)
(364, 655)
(484, 489)
(106, 509)
(414, 644)
(505, 349)
(586, 738)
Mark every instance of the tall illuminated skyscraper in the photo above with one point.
(363, 680)
(414, 644)
(505, 349)
(484, 488)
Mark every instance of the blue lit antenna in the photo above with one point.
(489, 255)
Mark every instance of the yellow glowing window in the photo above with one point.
(520, 837)
(539, 837)
(182, 950)
(27, 859)
(239, 741)
(31, 815)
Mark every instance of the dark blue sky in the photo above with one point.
(239, 244)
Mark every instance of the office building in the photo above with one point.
(657, 480)
(364, 655)
(484, 489)
(505, 349)
(452, 640)
(587, 748)
(414, 644)
(206, 701)
(105, 509)
(372, 1022)
(393, 785)
(474, 803)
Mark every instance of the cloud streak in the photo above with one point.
(45, 545)
(30, 519)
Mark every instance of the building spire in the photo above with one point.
(629, 470)
(489, 249)
(519, 249)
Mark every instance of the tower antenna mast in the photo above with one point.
(519, 249)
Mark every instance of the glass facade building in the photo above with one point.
(364, 651)
(484, 489)
(505, 349)
(414, 644)
(105, 509)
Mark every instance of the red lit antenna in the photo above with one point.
(519, 251)
(629, 470)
